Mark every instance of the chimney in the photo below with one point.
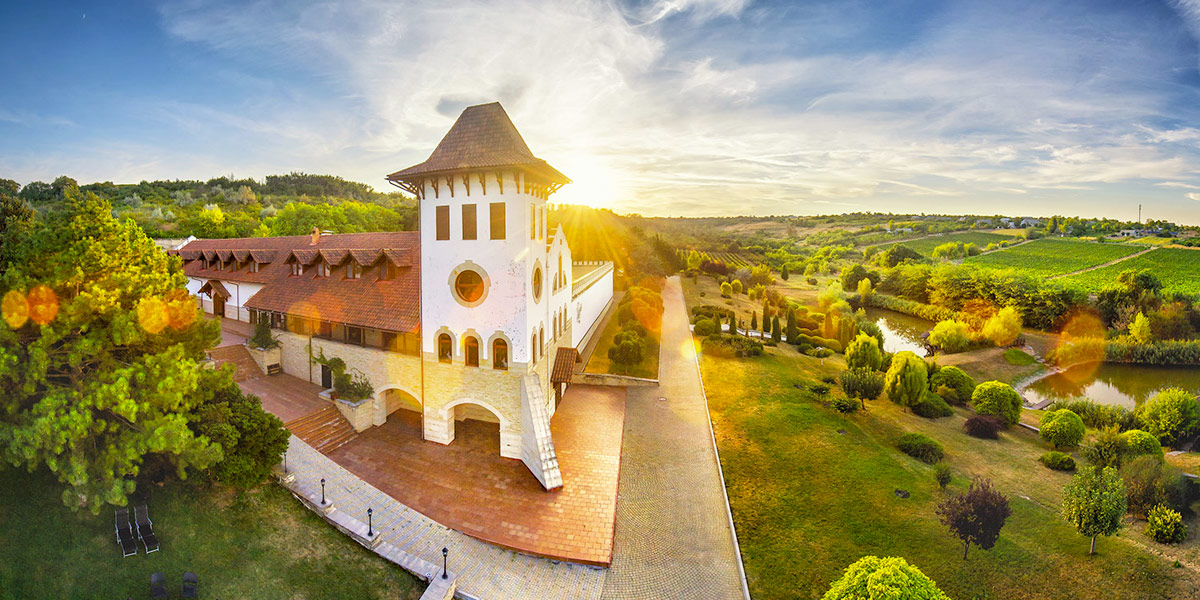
(316, 236)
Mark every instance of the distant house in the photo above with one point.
(1030, 222)
(174, 243)
(1132, 233)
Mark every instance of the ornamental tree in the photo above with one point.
(977, 516)
(1094, 502)
(889, 578)
(864, 353)
(1004, 327)
(100, 354)
(999, 400)
(906, 380)
(1062, 428)
(1140, 329)
(861, 383)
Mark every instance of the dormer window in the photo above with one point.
(297, 269)
(254, 266)
(322, 269)
(354, 271)
(387, 271)
(231, 265)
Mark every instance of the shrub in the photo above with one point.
(932, 406)
(942, 475)
(705, 328)
(731, 346)
(1062, 428)
(983, 427)
(628, 351)
(952, 384)
(1165, 526)
(864, 352)
(1171, 415)
(1098, 415)
(999, 400)
(1059, 461)
(921, 447)
(1003, 328)
(1136, 442)
(950, 336)
(861, 383)
(1148, 483)
(844, 405)
(1105, 449)
(253, 439)
(874, 578)
(819, 352)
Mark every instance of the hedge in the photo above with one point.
(921, 447)
(932, 406)
(1058, 461)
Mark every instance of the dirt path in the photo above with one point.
(1109, 263)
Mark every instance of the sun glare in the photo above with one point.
(593, 183)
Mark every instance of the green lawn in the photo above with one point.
(1054, 256)
(264, 544)
(808, 500)
(1177, 268)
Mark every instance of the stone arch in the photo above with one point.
(396, 397)
(509, 440)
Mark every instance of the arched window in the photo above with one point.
(500, 354)
(542, 340)
(533, 347)
(471, 346)
(445, 348)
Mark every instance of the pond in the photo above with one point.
(900, 331)
(1106, 383)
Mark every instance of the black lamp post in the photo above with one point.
(322, 491)
(444, 553)
(370, 526)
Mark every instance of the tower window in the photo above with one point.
(537, 284)
(532, 222)
(469, 286)
(445, 348)
(500, 354)
(472, 351)
(443, 222)
(496, 220)
(468, 222)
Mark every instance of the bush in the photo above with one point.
(1171, 415)
(932, 406)
(253, 439)
(1098, 415)
(952, 384)
(999, 400)
(874, 578)
(1136, 442)
(942, 475)
(950, 336)
(1165, 526)
(1062, 428)
(844, 405)
(1105, 449)
(819, 352)
(861, 383)
(921, 447)
(705, 328)
(983, 427)
(1149, 482)
(1004, 327)
(1059, 461)
(731, 346)
(906, 380)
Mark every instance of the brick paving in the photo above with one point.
(233, 332)
(285, 396)
(415, 542)
(469, 487)
(673, 537)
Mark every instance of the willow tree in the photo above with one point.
(100, 354)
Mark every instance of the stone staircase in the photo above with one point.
(240, 358)
(325, 430)
(537, 447)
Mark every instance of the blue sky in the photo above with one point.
(663, 107)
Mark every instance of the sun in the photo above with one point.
(593, 182)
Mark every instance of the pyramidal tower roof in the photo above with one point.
(483, 137)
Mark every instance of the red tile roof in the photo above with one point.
(564, 365)
(483, 137)
(390, 305)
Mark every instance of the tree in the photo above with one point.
(253, 440)
(101, 368)
(790, 330)
(1062, 428)
(736, 286)
(726, 289)
(860, 383)
(1140, 329)
(950, 336)
(753, 321)
(776, 332)
(977, 516)
(783, 272)
(864, 353)
(865, 291)
(262, 337)
(999, 400)
(1094, 502)
(694, 260)
(952, 384)
(906, 379)
(1004, 327)
(891, 578)
(1171, 415)
(15, 214)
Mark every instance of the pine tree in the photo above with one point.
(753, 321)
(791, 327)
(783, 273)
(776, 333)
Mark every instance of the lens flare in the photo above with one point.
(43, 305)
(181, 309)
(15, 308)
(152, 314)
(1081, 343)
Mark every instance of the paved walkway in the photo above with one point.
(285, 396)
(415, 541)
(469, 487)
(674, 538)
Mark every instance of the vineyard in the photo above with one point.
(1052, 256)
(926, 245)
(735, 260)
(1177, 268)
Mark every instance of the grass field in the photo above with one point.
(1177, 268)
(1054, 256)
(812, 491)
(264, 544)
(925, 246)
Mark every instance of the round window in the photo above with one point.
(537, 284)
(469, 286)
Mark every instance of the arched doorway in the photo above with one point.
(396, 399)
(403, 412)
(477, 427)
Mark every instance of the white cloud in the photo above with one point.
(1194, 196)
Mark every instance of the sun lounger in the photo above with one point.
(125, 533)
(145, 529)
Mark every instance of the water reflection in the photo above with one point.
(900, 331)
(1125, 385)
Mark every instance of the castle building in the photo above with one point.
(478, 315)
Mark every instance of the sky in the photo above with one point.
(660, 107)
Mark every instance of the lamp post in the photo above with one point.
(322, 491)
(444, 553)
(370, 525)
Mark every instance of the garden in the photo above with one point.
(629, 342)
